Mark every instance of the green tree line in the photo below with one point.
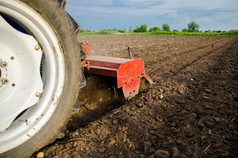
(192, 29)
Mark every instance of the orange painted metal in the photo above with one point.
(127, 71)
(85, 48)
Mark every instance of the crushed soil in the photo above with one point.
(190, 111)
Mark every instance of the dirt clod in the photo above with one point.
(176, 153)
(147, 147)
(162, 154)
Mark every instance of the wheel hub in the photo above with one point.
(20, 78)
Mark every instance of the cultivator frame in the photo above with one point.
(128, 72)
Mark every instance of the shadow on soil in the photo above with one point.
(97, 98)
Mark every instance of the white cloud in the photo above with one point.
(204, 4)
(203, 19)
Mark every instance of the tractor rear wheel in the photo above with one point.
(39, 74)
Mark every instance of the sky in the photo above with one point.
(121, 14)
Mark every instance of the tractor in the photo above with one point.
(42, 73)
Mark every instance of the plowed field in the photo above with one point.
(190, 111)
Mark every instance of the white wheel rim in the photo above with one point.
(36, 116)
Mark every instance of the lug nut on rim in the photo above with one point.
(4, 80)
(37, 47)
(38, 94)
(3, 64)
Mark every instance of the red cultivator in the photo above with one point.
(128, 72)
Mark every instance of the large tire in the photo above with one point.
(51, 124)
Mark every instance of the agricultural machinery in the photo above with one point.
(43, 68)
